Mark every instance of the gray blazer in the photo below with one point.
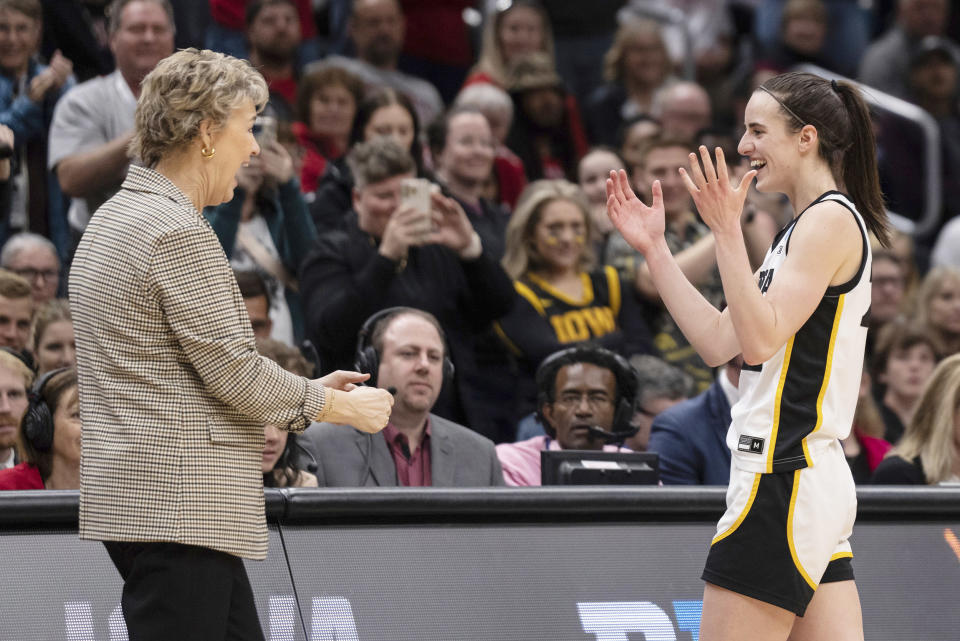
(346, 457)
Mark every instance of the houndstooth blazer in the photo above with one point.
(173, 394)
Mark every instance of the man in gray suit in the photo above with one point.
(403, 350)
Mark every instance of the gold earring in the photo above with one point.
(207, 153)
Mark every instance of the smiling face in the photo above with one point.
(560, 235)
(585, 396)
(144, 38)
(233, 143)
(411, 360)
(19, 38)
(468, 155)
(768, 143)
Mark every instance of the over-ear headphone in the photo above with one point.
(626, 376)
(367, 360)
(37, 423)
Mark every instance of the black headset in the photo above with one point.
(627, 382)
(37, 423)
(367, 360)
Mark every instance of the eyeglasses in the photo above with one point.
(31, 274)
(596, 400)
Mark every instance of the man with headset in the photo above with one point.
(404, 351)
(585, 399)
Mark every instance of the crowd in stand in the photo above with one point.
(429, 206)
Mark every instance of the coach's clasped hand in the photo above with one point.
(365, 408)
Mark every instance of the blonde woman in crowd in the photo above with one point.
(938, 308)
(54, 345)
(929, 452)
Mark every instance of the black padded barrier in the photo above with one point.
(592, 564)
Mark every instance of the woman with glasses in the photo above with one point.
(563, 301)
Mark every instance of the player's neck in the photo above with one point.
(817, 181)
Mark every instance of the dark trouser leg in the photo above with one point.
(184, 592)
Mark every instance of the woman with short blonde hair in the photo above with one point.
(938, 308)
(52, 340)
(174, 392)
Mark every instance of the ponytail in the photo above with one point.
(859, 170)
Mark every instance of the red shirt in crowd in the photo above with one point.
(412, 470)
(21, 477)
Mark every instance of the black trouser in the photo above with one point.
(184, 592)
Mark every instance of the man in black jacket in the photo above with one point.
(385, 258)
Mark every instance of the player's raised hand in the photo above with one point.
(641, 226)
(718, 202)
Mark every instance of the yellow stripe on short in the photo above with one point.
(743, 515)
(793, 549)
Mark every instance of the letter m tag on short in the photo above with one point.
(750, 444)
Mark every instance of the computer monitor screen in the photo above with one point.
(587, 467)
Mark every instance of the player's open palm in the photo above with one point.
(641, 226)
(718, 202)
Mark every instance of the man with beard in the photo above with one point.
(404, 351)
(377, 29)
(15, 379)
(577, 389)
(273, 33)
(93, 123)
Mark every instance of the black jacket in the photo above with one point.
(344, 280)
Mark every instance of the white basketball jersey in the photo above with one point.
(795, 404)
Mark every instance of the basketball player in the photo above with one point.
(779, 566)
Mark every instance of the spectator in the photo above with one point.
(592, 174)
(635, 68)
(15, 379)
(53, 343)
(267, 228)
(383, 113)
(16, 311)
(929, 453)
(660, 386)
(34, 258)
(683, 110)
(28, 93)
(633, 137)
(93, 124)
(377, 28)
(326, 107)
(803, 33)
(50, 436)
(563, 301)
(404, 349)
(888, 289)
(514, 30)
(689, 240)
(547, 133)
(903, 362)
(463, 151)
(256, 298)
(382, 259)
(508, 179)
(938, 308)
(885, 63)
(281, 456)
(273, 33)
(691, 437)
(933, 85)
(439, 42)
(865, 447)
(577, 389)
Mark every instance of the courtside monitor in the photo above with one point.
(587, 467)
